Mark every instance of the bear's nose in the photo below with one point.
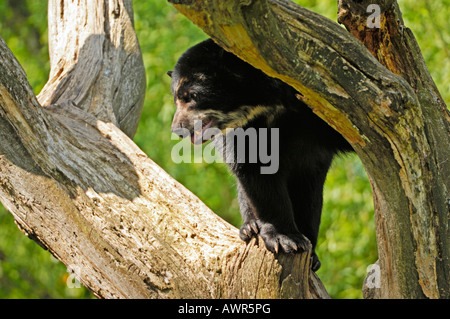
(177, 128)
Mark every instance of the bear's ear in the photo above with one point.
(169, 73)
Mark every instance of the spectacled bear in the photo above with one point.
(214, 86)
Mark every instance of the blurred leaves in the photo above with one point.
(23, 25)
(347, 243)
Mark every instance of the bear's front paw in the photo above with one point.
(290, 242)
(248, 230)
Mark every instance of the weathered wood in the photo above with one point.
(80, 187)
(394, 45)
(96, 61)
(396, 121)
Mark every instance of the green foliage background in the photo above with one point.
(347, 243)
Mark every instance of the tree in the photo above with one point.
(80, 187)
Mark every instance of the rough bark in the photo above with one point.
(394, 45)
(79, 186)
(392, 115)
(96, 61)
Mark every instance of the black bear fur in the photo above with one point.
(215, 86)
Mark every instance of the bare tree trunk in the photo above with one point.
(395, 47)
(79, 186)
(395, 119)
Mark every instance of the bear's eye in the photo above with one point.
(189, 96)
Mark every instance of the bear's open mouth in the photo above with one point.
(197, 136)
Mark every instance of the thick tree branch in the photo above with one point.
(396, 48)
(96, 61)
